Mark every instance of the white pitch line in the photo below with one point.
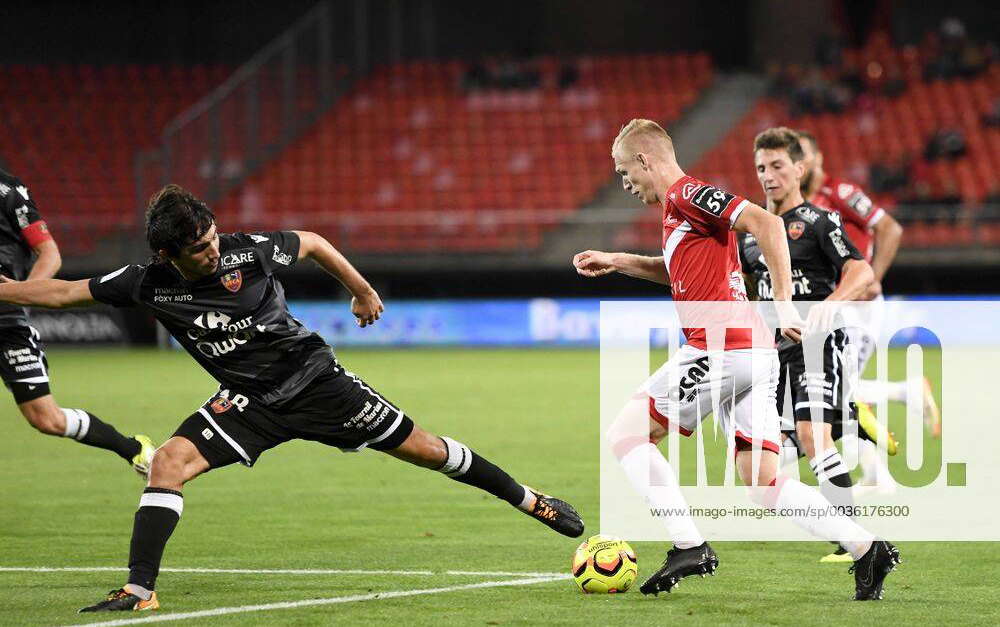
(214, 571)
(498, 573)
(276, 571)
(220, 611)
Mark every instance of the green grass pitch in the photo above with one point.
(305, 506)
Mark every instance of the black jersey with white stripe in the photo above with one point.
(818, 247)
(17, 213)
(234, 322)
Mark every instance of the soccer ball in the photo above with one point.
(604, 564)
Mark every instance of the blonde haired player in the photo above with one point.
(700, 263)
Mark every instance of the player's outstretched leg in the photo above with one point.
(873, 559)
(457, 461)
(874, 392)
(653, 478)
(875, 431)
(160, 507)
(835, 481)
(45, 415)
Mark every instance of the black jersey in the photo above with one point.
(818, 247)
(235, 322)
(20, 225)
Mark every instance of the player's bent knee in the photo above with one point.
(175, 463)
(44, 419)
(422, 448)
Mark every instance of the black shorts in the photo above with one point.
(336, 408)
(831, 388)
(24, 369)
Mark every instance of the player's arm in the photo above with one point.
(48, 293)
(855, 277)
(887, 234)
(365, 302)
(595, 263)
(769, 230)
(48, 261)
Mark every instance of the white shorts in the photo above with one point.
(865, 333)
(742, 384)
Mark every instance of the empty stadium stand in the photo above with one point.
(71, 133)
(878, 127)
(412, 161)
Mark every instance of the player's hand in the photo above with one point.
(367, 308)
(789, 321)
(821, 318)
(873, 291)
(593, 263)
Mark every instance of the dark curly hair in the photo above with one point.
(175, 219)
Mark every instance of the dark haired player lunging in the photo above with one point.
(23, 367)
(217, 295)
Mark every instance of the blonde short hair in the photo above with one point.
(646, 129)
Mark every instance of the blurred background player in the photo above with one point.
(700, 262)
(825, 266)
(877, 235)
(23, 234)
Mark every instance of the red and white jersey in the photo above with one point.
(700, 251)
(851, 202)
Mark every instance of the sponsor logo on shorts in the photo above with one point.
(369, 418)
(221, 405)
(23, 359)
(796, 229)
(233, 281)
(690, 380)
(207, 433)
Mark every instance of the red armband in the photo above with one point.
(36, 233)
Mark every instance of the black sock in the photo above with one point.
(87, 428)
(465, 466)
(103, 435)
(835, 481)
(159, 511)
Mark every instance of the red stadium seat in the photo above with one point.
(409, 142)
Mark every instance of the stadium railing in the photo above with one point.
(259, 109)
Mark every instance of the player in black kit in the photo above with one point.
(825, 266)
(23, 366)
(218, 296)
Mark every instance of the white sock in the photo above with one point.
(138, 591)
(77, 423)
(528, 503)
(873, 392)
(788, 460)
(874, 470)
(653, 478)
(827, 464)
(797, 501)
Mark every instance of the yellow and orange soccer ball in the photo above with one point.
(604, 564)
